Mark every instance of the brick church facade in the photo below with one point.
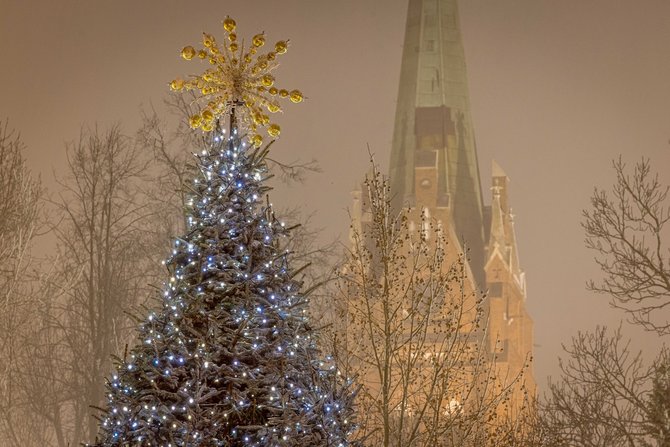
(434, 169)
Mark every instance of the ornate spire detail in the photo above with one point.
(502, 235)
(497, 239)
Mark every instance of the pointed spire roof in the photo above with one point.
(496, 170)
(502, 237)
(433, 123)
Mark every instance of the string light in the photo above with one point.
(230, 349)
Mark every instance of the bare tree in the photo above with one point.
(605, 395)
(602, 396)
(526, 429)
(627, 228)
(102, 270)
(171, 152)
(20, 197)
(45, 367)
(414, 336)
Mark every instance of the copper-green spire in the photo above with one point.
(433, 126)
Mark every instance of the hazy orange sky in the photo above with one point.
(558, 89)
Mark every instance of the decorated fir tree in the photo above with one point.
(230, 358)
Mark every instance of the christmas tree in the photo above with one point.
(229, 359)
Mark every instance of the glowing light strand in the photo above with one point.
(229, 359)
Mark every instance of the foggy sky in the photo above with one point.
(558, 89)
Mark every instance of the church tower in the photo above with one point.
(509, 321)
(433, 127)
(434, 169)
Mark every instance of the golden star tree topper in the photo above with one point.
(236, 79)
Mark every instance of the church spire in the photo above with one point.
(433, 126)
(502, 237)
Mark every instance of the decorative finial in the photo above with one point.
(237, 81)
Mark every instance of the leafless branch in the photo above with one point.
(627, 228)
(414, 333)
(601, 397)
